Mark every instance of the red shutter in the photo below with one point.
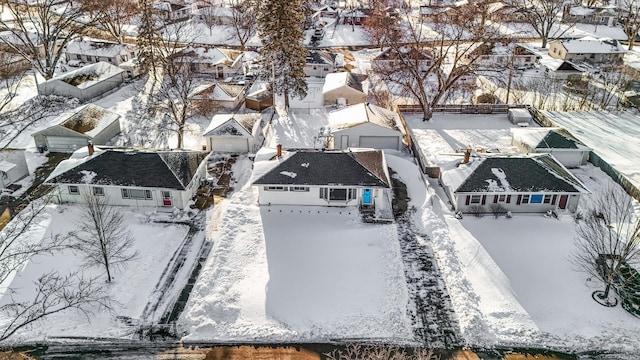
(495, 199)
(484, 199)
(519, 200)
(468, 200)
(508, 199)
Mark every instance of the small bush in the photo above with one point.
(498, 210)
(476, 210)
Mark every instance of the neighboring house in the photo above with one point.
(354, 16)
(531, 184)
(89, 123)
(221, 63)
(85, 83)
(319, 63)
(213, 15)
(590, 15)
(358, 178)
(12, 64)
(492, 55)
(327, 11)
(233, 132)
(208, 98)
(13, 166)
(366, 126)
(131, 177)
(11, 42)
(259, 96)
(388, 59)
(172, 11)
(568, 150)
(559, 69)
(588, 49)
(342, 88)
(91, 51)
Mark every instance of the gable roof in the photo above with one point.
(153, 169)
(548, 139)
(347, 168)
(392, 54)
(322, 57)
(95, 47)
(536, 173)
(89, 120)
(89, 75)
(213, 56)
(232, 125)
(357, 114)
(216, 91)
(591, 45)
(337, 80)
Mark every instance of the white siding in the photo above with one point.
(312, 197)
(570, 158)
(228, 144)
(365, 130)
(113, 195)
(513, 206)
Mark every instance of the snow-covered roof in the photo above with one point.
(11, 38)
(89, 75)
(6, 166)
(95, 47)
(557, 64)
(216, 92)
(591, 45)
(337, 80)
(237, 125)
(89, 119)
(364, 113)
(547, 138)
(207, 55)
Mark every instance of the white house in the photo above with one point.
(342, 88)
(211, 97)
(13, 166)
(389, 59)
(319, 63)
(221, 63)
(161, 179)
(172, 10)
(357, 178)
(233, 132)
(89, 51)
(529, 184)
(70, 132)
(85, 83)
(588, 49)
(568, 150)
(366, 125)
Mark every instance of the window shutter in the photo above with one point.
(508, 199)
(495, 199)
(484, 199)
(554, 199)
(468, 200)
(519, 200)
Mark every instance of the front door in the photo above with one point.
(344, 141)
(166, 198)
(563, 202)
(366, 197)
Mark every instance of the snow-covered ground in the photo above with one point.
(129, 292)
(295, 273)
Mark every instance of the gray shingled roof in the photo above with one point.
(522, 174)
(364, 168)
(557, 139)
(162, 169)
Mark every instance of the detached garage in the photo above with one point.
(73, 131)
(366, 126)
(232, 132)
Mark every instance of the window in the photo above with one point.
(166, 194)
(98, 191)
(136, 194)
(536, 199)
(324, 193)
(338, 194)
(79, 57)
(525, 199)
(476, 199)
(275, 188)
(89, 58)
(73, 190)
(502, 198)
(548, 199)
(299, 188)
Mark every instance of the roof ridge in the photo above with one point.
(170, 168)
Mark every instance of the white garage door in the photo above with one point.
(379, 142)
(65, 144)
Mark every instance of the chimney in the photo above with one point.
(467, 155)
(90, 148)
(279, 150)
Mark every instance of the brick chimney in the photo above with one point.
(467, 155)
(90, 148)
(279, 150)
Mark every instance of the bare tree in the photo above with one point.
(53, 293)
(244, 20)
(543, 15)
(428, 68)
(102, 237)
(380, 352)
(630, 19)
(608, 240)
(113, 15)
(381, 23)
(41, 30)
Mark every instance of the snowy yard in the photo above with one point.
(129, 292)
(293, 273)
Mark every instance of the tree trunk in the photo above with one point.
(286, 99)
(544, 42)
(180, 135)
(427, 113)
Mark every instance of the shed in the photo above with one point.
(73, 131)
(13, 166)
(259, 96)
(342, 88)
(568, 150)
(85, 83)
(232, 132)
(367, 126)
